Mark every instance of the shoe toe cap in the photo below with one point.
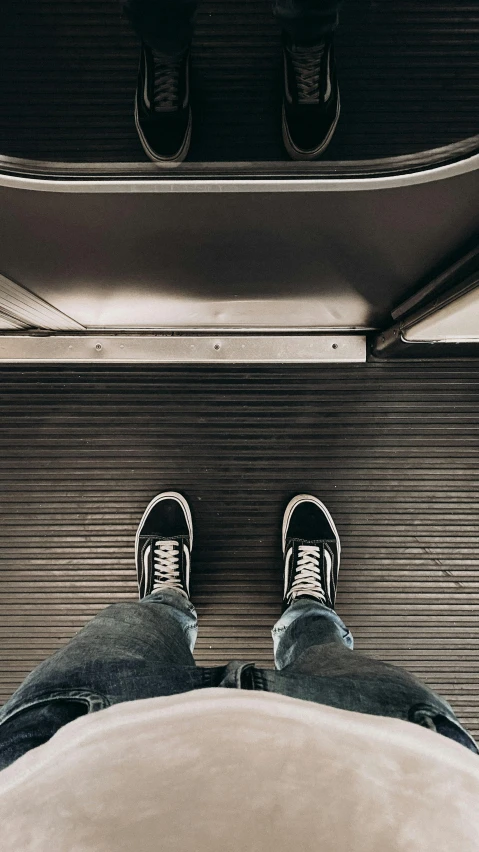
(308, 522)
(165, 135)
(166, 517)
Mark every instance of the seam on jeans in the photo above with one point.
(259, 680)
(420, 713)
(88, 697)
(207, 673)
(430, 710)
(246, 675)
(156, 597)
(238, 674)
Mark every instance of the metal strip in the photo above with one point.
(235, 349)
(455, 321)
(448, 278)
(403, 338)
(168, 184)
(266, 169)
(31, 310)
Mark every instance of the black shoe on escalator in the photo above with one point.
(162, 105)
(312, 551)
(163, 544)
(310, 97)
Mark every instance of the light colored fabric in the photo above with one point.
(222, 770)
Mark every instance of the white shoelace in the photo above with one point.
(308, 576)
(166, 565)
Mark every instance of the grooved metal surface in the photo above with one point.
(408, 75)
(392, 449)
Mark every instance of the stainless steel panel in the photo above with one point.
(348, 176)
(455, 322)
(318, 254)
(184, 349)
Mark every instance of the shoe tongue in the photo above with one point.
(153, 538)
(307, 50)
(174, 538)
(167, 58)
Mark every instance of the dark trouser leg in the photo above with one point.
(315, 661)
(128, 651)
(165, 25)
(307, 20)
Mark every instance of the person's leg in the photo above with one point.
(312, 554)
(313, 648)
(130, 650)
(163, 115)
(165, 25)
(314, 653)
(305, 624)
(311, 103)
(307, 21)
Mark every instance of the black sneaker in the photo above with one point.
(311, 98)
(162, 105)
(312, 550)
(163, 544)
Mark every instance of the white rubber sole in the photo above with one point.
(302, 498)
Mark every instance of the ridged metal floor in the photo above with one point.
(392, 449)
(408, 76)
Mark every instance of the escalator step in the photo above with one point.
(408, 75)
(392, 449)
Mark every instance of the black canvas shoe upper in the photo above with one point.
(163, 545)
(311, 97)
(312, 550)
(162, 108)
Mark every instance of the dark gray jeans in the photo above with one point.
(144, 649)
(167, 25)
